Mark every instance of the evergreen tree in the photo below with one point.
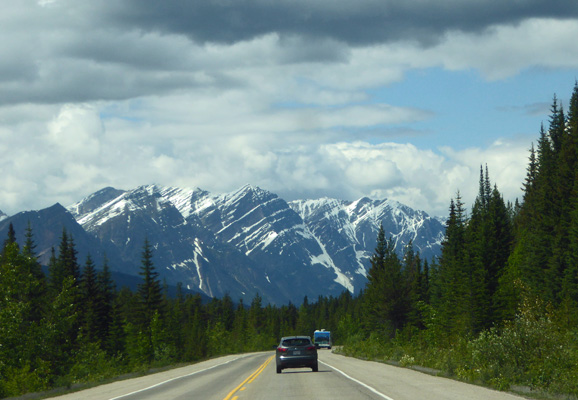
(386, 299)
(33, 267)
(256, 315)
(66, 264)
(61, 328)
(569, 292)
(450, 279)
(10, 239)
(150, 292)
(150, 302)
(413, 277)
(90, 297)
(373, 315)
(227, 314)
(535, 231)
(557, 126)
(305, 319)
(106, 313)
(21, 342)
(476, 263)
(240, 332)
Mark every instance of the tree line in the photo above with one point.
(500, 304)
(73, 325)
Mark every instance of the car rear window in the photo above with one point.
(296, 342)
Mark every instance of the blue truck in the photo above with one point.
(322, 339)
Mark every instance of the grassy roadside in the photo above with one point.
(530, 357)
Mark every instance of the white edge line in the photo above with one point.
(174, 379)
(357, 381)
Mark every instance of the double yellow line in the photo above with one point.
(250, 379)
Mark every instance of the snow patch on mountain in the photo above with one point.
(253, 240)
(325, 259)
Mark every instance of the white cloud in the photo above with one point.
(87, 108)
(507, 161)
(505, 50)
(76, 132)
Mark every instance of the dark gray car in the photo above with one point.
(296, 352)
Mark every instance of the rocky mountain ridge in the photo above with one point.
(240, 243)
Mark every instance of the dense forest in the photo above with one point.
(499, 306)
(72, 325)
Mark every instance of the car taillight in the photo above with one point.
(311, 348)
(281, 349)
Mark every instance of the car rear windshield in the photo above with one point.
(296, 342)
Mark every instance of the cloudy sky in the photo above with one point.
(304, 98)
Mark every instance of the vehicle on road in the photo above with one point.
(322, 339)
(296, 352)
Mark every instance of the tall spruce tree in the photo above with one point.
(21, 341)
(374, 317)
(450, 284)
(149, 290)
(414, 282)
(544, 254)
(90, 297)
(151, 312)
(386, 298)
(569, 291)
(105, 309)
(476, 259)
(66, 263)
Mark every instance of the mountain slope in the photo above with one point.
(348, 230)
(183, 251)
(240, 243)
(263, 227)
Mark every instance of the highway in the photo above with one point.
(253, 377)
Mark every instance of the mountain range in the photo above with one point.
(246, 242)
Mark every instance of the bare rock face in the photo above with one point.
(241, 243)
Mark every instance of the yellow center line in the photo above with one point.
(250, 379)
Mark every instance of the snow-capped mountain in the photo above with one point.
(183, 250)
(263, 227)
(2, 215)
(248, 241)
(347, 231)
(358, 222)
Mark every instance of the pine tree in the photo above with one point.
(150, 292)
(305, 318)
(33, 267)
(21, 341)
(569, 292)
(413, 277)
(10, 239)
(240, 333)
(256, 315)
(386, 300)
(90, 298)
(374, 318)
(150, 302)
(450, 279)
(537, 232)
(227, 314)
(66, 264)
(499, 249)
(105, 309)
(557, 126)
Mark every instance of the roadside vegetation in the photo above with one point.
(499, 307)
(73, 327)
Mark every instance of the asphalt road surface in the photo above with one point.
(253, 377)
